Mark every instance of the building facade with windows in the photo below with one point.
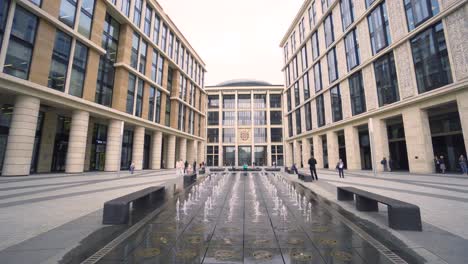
(368, 79)
(244, 124)
(96, 85)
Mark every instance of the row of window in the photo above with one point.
(244, 118)
(229, 135)
(244, 155)
(244, 101)
(163, 36)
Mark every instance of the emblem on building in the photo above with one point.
(244, 135)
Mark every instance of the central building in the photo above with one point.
(244, 124)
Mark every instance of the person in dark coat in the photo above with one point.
(312, 163)
(294, 168)
(185, 166)
(340, 168)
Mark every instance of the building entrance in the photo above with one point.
(245, 155)
(127, 150)
(365, 149)
(98, 148)
(61, 144)
(342, 148)
(146, 152)
(398, 159)
(447, 135)
(325, 151)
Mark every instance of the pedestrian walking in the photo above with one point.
(312, 163)
(442, 164)
(340, 168)
(185, 166)
(194, 166)
(294, 168)
(384, 164)
(437, 164)
(132, 167)
(463, 164)
(390, 164)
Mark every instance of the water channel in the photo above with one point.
(246, 218)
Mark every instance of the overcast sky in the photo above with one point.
(235, 38)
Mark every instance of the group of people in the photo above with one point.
(440, 167)
(183, 168)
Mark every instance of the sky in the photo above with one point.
(236, 39)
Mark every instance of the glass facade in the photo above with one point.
(337, 112)
(386, 80)
(379, 30)
(357, 95)
(60, 59)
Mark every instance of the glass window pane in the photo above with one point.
(67, 12)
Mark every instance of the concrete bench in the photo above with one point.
(242, 169)
(305, 177)
(401, 215)
(272, 169)
(216, 169)
(189, 179)
(117, 211)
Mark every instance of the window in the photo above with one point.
(125, 8)
(229, 135)
(151, 99)
(315, 45)
(276, 134)
(259, 101)
(312, 15)
(275, 100)
(4, 7)
(167, 119)
(106, 71)
(325, 5)
(244, 118)
(260, 135)
(142, 63)
(154, 65)
(431, 60)
(308, 116)
(86, 17)
(352, 50)
(67, 12)
(243, 101)
(37, 2)
(317, 77)
(295, 68)
(130, 93)
(418, 11)
(320, 111)
(158, 106)
(304, 57)
(229, 101)
(260, 118)
(386, 79)
(229, 156)
(298, 122)
(182, 87)
(170, 47)
(148, 17)
(289, 100)
(337, 113)
(277, 155)
(213, 101)
(276, 118)
(137, 12)
(159, 75)
(181, 123)
(213, 135)
(213, 118)
(357, 95)
(164, 38)
(301, 30)
(293, 41)
(297, 99)
(20, 47)
(156, 28)
(286, 52)
(139, 99)
(77, 78)
(212, 155)
(135, 48)
(328, 29)
(347, 13)
(306, 87)
(369, 2)
(182, 53)
(176, 51)
(378, 28)
(229, 118)
(332, 66)
(60, 59)
(290, 127)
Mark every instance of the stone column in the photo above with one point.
(418, 140)
(21, 136)
(183, 149)
(379, 142)
(201, 152)
(171, 145)
(462, 102)
(46, 149)
(333, 151)
(138, 147)
(195, 151)
(190, 151)
(156, 150)
(318, 151)
(297, 153)
(288, 154)
(77, 142)
(305, 152)
(353, 151)
(114, 145)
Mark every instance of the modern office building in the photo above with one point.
(368, 79)
(244, 124)
(94, 85)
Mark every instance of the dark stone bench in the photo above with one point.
(288, 170)
(189, 179)
(201, 171)
(305, 177)
(117, 211)
(272, 169)
(216, 169)
(401, 215)
(242, 169)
